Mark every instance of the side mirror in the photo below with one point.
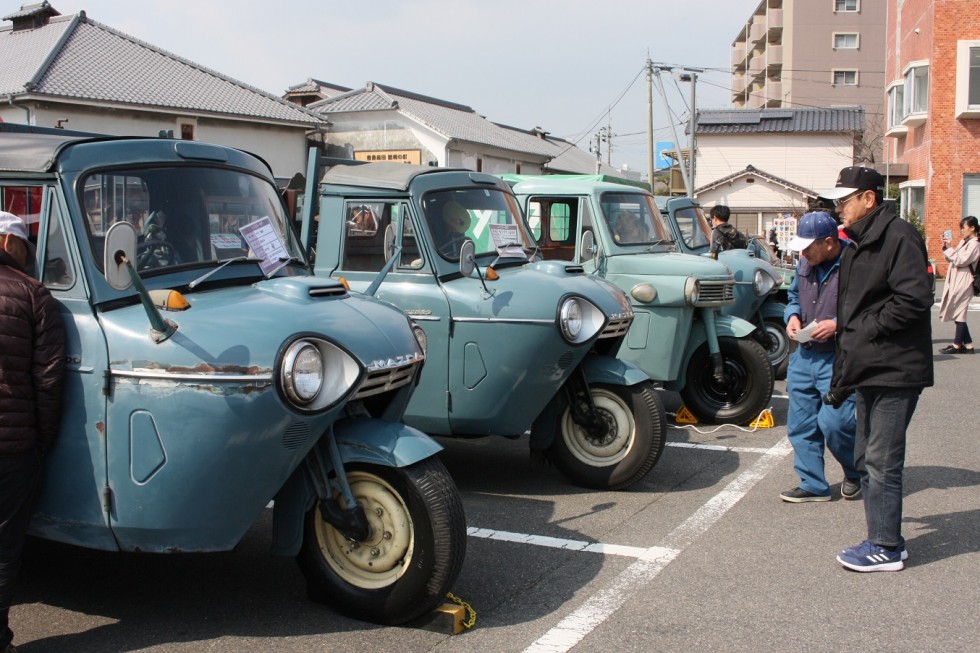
(467, 258)
(588, 248)
(120, 245)
(389, 242)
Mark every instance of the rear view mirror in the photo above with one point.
(389, 242)
(120, 246)
(587, 250)
(467, 258)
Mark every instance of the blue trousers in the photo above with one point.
(812, 425)
(883, 419)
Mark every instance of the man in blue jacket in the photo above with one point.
(884, 354)
(813, 424)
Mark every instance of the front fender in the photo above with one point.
(613, 371)
(725, 326)
(773, 310)
(359, 440)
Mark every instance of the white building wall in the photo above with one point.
(810, 160)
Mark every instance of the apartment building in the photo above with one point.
(814, 53)
(933, 111)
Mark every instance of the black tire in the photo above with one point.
(779, 347)
(743, 394)
(637, 430)
(415, 552)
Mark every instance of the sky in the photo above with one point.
(570, 67)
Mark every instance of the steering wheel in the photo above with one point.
(156, 253)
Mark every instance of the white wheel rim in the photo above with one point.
(386, 555)
(618, 441)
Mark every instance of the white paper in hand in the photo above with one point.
(805, 334)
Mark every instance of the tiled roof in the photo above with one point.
(75, 57)
(452, 120)
(733, 121)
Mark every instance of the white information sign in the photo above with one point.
(265, 244)
(507, 240)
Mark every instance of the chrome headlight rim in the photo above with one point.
(339, 373)
(420, 337)
(591, 319)
(692, 291)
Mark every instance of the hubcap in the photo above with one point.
(619, 437)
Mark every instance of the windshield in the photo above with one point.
(190, 217)
(761, 249)
(693, 227)
(634, 219)
(487, 216)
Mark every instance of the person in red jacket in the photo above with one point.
(32, 359)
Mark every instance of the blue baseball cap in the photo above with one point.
(812, 226)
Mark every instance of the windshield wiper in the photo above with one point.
(658, 243)
(207, 274)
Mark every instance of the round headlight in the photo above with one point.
(303, 372)
(692, 290)
(762, 282)
(421, 338)
(570, 319)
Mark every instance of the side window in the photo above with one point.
(364, 236)
(561, 215)
(555, 229)
(58, 272)
(534, 219)
(411, 256)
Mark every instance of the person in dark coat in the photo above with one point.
(724, 236)
(32, 358)
(884, 354)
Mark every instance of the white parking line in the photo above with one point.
(717, 447)
(600, 606)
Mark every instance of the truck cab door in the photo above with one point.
(75, 483)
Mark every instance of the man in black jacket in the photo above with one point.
(884, 354)
(32, 359)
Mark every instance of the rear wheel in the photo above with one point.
(743, 392)
(413, 553)
(778, 347)
(630, 445)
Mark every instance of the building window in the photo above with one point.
(913, 199)
(845, 77)
(971, 195)
(186, 128)
(968, 79)
(916, 101)
(896, 99)
(846, 41)
(847, 5)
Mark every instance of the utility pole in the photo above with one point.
(673, 128)
(692, 76)
(609, 137)
(600, 137)
(650, 142)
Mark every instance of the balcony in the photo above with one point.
(738, 57)
(775, 21)
(757, 65)
(757, 32)
(774, 56)
(774, 92)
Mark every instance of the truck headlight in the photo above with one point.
(643, 292)
(692, 290)
(579, 320)
(421, 338)
(314, 374)
(763, 282)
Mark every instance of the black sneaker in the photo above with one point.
(850, 489)
(799, 495)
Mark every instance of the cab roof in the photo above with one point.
(391, 175)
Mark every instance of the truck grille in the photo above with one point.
(618, 326)
(379, 381)
(716, 293)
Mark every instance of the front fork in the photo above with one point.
(350, 521)
(714, 349)
(581, 407)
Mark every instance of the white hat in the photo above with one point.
(11, 224)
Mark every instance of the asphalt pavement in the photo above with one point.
(700, 556)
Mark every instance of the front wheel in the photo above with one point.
(779, 348)
(412, 556)
(633, 438)
(743, 392)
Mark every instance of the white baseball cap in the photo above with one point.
(11, 224)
